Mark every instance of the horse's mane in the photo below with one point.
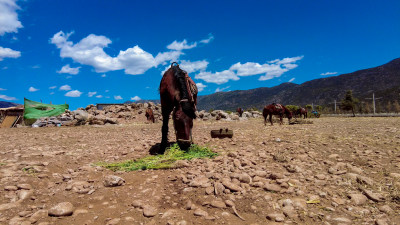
(175, 69)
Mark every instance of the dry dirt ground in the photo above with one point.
(334, 171)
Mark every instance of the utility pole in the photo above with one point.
(373, 101)
(335, 106)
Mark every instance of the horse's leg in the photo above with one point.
(164, 140)
(265, 120)
(270, 119)
(280, 119)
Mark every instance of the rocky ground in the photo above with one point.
(334, 171)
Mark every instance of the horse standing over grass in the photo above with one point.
(301, 112)
(239, 111)
(276, 109)
(178, 94)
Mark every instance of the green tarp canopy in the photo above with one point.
(35, 110)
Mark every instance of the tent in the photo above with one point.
(35, 110)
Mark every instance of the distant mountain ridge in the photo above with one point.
(4, 104)
(383, 80)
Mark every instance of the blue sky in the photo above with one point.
(101, 51)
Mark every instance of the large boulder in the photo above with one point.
(81, 115)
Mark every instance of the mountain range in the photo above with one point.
(4, 104)
(383, 81)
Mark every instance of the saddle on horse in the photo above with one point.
(278, 106)
(187, 89)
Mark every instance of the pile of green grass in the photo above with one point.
(165, 161)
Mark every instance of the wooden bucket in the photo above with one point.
(222, 133)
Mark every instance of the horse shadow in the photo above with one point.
(156, 148)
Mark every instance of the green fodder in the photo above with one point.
(165, 161)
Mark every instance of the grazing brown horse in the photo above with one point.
(150, 115)
(178, 93)
(276, 109)
(301, 112)
(239, 111)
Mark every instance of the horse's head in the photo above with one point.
(183, 125)
(288, 113)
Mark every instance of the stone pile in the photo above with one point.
(222, 115)
(119, 114)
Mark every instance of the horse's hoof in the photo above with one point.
(184, 144)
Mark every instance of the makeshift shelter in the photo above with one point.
(10, 117)
(35, 110)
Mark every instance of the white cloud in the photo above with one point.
(9, 18)
(52, 93)
(206, 41)
(217, 77)
(69, 70)
(328, 73)
(107, 91)
(103, 75)
(90, 94)
(118, 97)
(178, 46)
(136, 98)
(89, 51)
(2, 89)
(291, 80)
(32, 89)
(287, 60)
(65, 88)
(8, 52)
(53, 87)
(221, 89)
(164, 57)
(36, 67)
(200, 86)
(99, 96)
(250, 69)
(191, 67)
(272, 69)
(134, 61)
(74, 93)
(7, 98)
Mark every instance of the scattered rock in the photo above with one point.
(10, 188)
(278, 217)
(200, 212)
(272, 187)
(62, 209)
(358, 199)
(113, 181)
(149, 211)
(373, 196)
(231, 186)
(218, 204)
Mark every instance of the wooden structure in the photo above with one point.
(222, 133)
(10, 117)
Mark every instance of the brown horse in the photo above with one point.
(301, 112)
(150, 115)
(239, 111)
(276, 109)
(175, 81)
